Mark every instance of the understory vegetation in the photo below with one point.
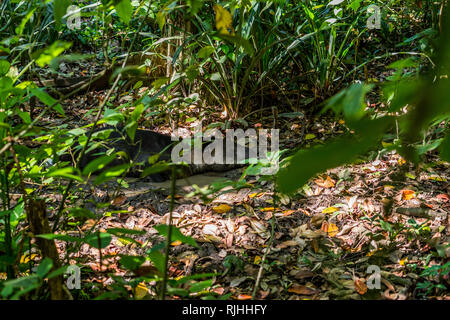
(358, 207)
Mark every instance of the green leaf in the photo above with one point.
(131, 262)
(200, 286)
(4, 67)
(44, 267)
(350, 102)
(98, 164)
(238, 41)
(161, 19)
(445, 148)
(59, 10)
(47, 55)
(124, 10)
(81, 213)
(19, 29)
(157, 258)
(156, 168)
(47, 99)
(194, 6)
(61, 237)
(68, 172)
(120, 231)
(93, 240)
(177, 235)
(205, 52)
(111, 173)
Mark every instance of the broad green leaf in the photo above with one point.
(120, 231)
(4, 67)
(47, 99)
(68, 173)
(59, 10)
(44, 267)
(98, 164)
(61, 237)
(19, 29)
(205, 52)
(98, 240)
(124, 10)
(445, 148)
(156, 168)
(194, 6)
(131, 262)
(111, 173)
(46, 56)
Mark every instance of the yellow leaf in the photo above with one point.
(27, 258)
(223, 208)
(257, 260)
(176, 243)
(224, 20)
(253, 195)
(408, 194)
(330, 210)
(268, 209)
(140, 291)
(330, 228)
(310, 136)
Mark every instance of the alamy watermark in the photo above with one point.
(73, 15)
(374, 21)
(74, 279)
(374, 281)
(229, 149)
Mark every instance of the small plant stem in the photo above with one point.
(169, 233)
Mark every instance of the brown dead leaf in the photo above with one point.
(301, 289)
(244, 297)
(120, 200)
(303, 274)
(360, 286)
(325, 183)
(444, 197)
(219, 290)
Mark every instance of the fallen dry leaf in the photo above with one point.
(360, 286)
(222, 208)
(330, 210)
(408, 194)
(120, 200)
(330, 228)
(325, 183)
(303, 290)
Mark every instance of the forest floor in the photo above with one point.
(379, 214)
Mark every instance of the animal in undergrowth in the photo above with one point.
(145, 150)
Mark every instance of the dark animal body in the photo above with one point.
(146, 144)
